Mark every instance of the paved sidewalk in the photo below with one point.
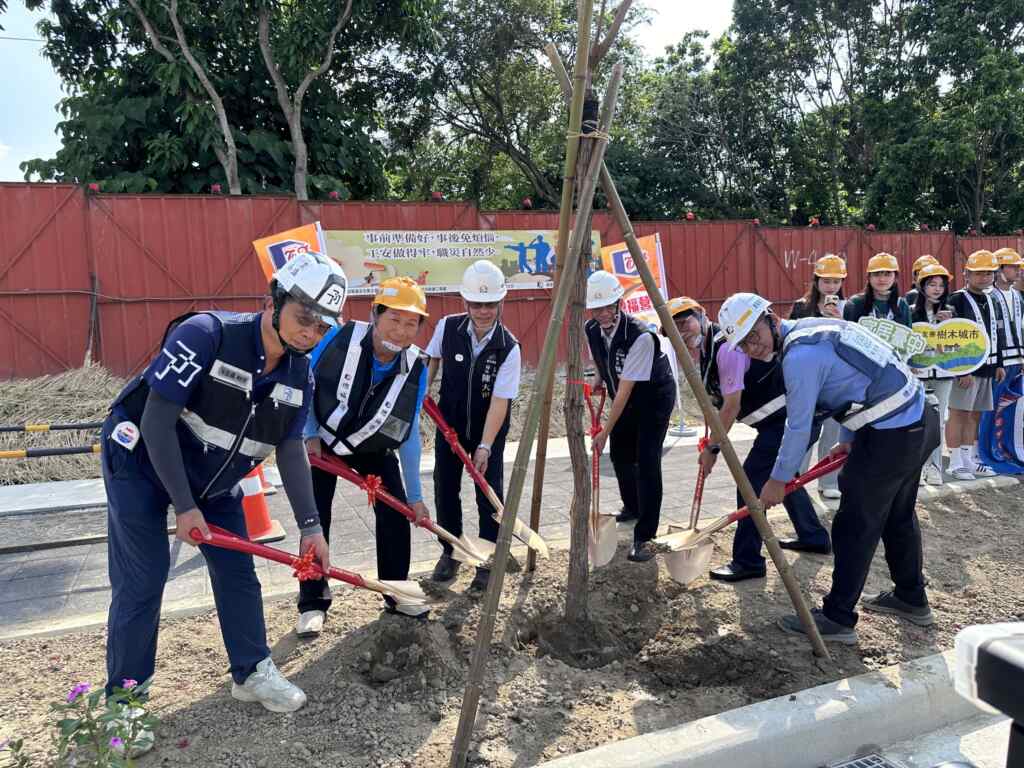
(62, 588)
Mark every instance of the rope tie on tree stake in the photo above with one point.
(595, 134)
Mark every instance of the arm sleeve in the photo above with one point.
(850, 312)
(158, 428)
(410, 451)
(804, 374)
(293, 463)
(434, 347)
(905, 313)
(506, 381)
(732, 368)
(640, 359)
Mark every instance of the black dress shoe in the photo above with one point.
(625, 516)
(799, 546)
(446, 568)
(480, 580)
(733, 572)
(640, 552)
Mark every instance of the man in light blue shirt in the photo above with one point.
(839, 369)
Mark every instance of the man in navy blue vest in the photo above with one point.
(886, 428)
(226, 389)
(481, 364)
(637, 373)
(754, 393)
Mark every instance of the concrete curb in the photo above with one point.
(813, 727)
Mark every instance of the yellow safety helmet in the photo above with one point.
(830, 265)
(932, 270)
(982, 261)
(402, 293)
(1007, 257)
(883, 262)
(923, 261)
(682, 304)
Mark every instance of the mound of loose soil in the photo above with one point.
(386, 691)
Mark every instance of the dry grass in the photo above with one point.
(82, 394)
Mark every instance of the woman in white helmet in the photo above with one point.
(634, 368)
(841, 369)
(480, 362)
(226, 389)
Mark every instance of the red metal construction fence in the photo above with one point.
(103, 274)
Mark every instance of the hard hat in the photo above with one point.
(315, 281)
(830, 265)
(1007, 257)
(738, 315)
(923, 261)
(402, 293)
(682, 304)
(482, 281)
(982, 261)
(883, 262)
(603, 288)
(932, 270)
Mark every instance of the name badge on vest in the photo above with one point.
(286, 395)
(459, 357)
(126, 434)
(231, 375)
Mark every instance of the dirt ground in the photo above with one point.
(386, 691)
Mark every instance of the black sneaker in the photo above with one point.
(887, 602)
(640, 552)
(831, 631)
(446, 568)
(626, 516)
(481, 580)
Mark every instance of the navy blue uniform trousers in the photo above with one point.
(138, 561)
(746, 544)
(448, 469)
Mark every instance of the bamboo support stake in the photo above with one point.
(489, 610)
(585, 14)
(757, 513)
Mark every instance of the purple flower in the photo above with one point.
(117, 742)
(78, 690)
(128, 683)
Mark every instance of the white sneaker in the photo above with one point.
(144, 739)
(932, 474)
(984, 470)
(270, 688)
(831, 493)
(310, 623)
(962, 473)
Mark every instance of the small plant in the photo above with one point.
(11, 754)
(96, 732)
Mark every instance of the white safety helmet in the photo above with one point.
(738, 315)
(313, 280)
(484, 282)
(603, 288)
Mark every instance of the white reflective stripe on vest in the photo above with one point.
(766, 410)
(338, 446)
(373, 425)
(223, 439)
(348, 374)
(878, 411)
(993, 343)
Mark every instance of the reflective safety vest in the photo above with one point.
(355, 415)
(892, 388)
(222, 431)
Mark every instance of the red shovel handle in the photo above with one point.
(434, 412)
(219, 537)
(824, 467)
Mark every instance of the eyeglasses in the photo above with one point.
(308, 319)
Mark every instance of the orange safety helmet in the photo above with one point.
(682, 304)
(402, 293)
(830, 265)
(1007, 257)
(883, 262)
(932, 270)
(982, 261)
(923, 261)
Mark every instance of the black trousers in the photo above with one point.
(635, 450)
(879, 486)
(448, 471)
(393, 530)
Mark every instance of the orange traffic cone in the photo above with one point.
(258, 522)
(268, 487)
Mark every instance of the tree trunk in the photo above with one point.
(577, 595)
(301, 156)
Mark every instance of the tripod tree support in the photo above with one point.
(757, 512)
